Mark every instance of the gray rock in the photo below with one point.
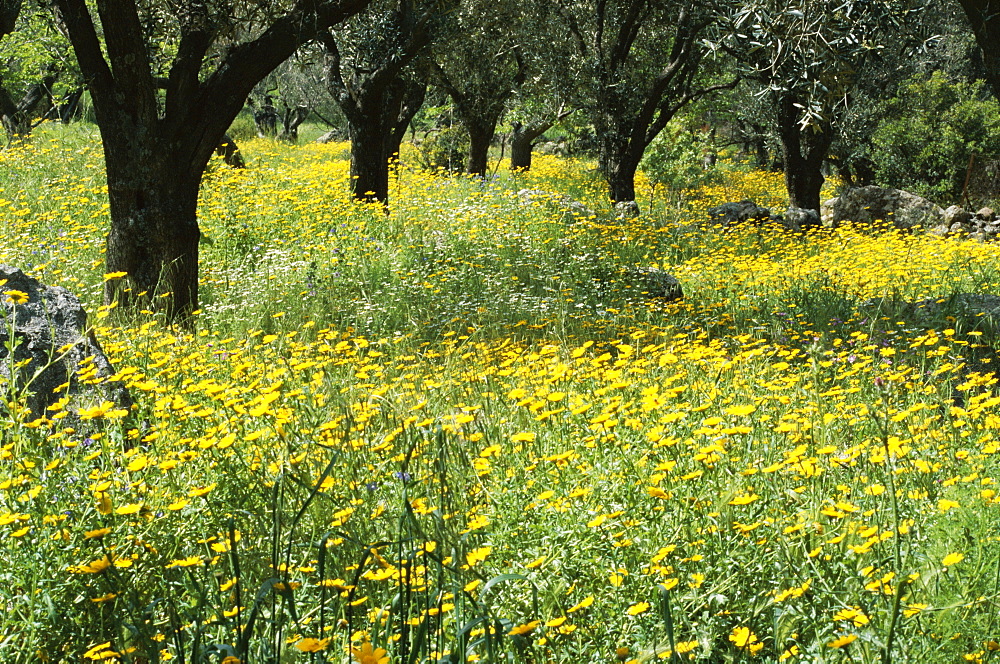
(801, 218)
(552, 147)
(732, 213)
(332, 136)
(957, 215)
(567, 205)
(986, 214)
(826, 211)
(53, 341)
(978, 236)
(657, 283)
(626, 209)
(959, 228)
(941, 230)
(867, 205)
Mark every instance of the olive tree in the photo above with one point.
(805, 58)
(639, 63)
(377, 72)
(164, 99)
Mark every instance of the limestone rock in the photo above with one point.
(732, 213)
(867, 205)
(986, 214)
(570, 207)
(800, 218)
(957, 215)
(826, 211)
(626, 209)
(657, 283)
(51, 337)
(332, 136)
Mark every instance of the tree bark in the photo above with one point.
(69, 108)
(619, 154)
(378, 106)
(480, 138)
(619, 165)
(154, 232)
(408, 97)
(290, 122)
(480, 106)
(369, 159)
(522, 141)
(230, 152)
(627, 119)
(803, 152)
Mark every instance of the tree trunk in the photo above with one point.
(618, 161)
(230, 152)
(17, 116)
(154, 232)
(69, 108)
(522, 140)
(369, 159)
(156, 146)
(480, 137)
(803, 153)
(621, 182)
(520, 151)
(378, 116)
(290, 121)
(408, 96)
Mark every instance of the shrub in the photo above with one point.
(929, 132)
(675, 158)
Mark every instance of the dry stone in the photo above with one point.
(626, 209)
(957, 215)
(572, 208)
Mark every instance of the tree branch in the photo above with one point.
(123, 39)
(197, 35)
(83, 35)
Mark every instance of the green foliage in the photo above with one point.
(243, 128)
(675, 158)
(930, 130)
(27, 52)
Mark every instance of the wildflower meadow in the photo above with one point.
(460, 431)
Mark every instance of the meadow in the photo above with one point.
(461, 432)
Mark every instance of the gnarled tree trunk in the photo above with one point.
(480, 138)
(522, 140)
(154, 229)
(378, 109)
(803, 152)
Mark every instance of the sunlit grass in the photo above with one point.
(459, 430)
